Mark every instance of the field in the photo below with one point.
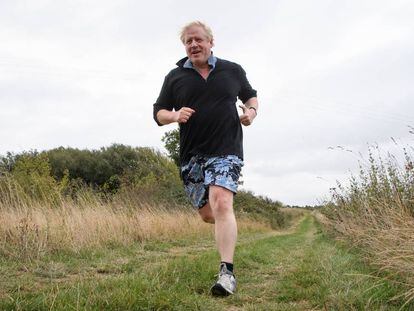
(72, 238)
(298, 268)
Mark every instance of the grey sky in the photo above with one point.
(86, 73)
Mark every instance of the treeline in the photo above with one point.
(106, 172)
(141, 173)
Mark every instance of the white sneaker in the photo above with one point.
(226, 283)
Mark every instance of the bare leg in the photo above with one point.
(206, 214)
(221, 202)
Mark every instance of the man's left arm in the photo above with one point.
(249, 108)
(249, 98)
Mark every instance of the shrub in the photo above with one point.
(31, 175)
(245, 202)
(375, 212)
(148, 174)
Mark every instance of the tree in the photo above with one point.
(171, 140)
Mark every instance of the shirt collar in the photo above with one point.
(212, 60)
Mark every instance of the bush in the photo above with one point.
(120, 173)
(245, 202)
(148, 174)
(32, 173)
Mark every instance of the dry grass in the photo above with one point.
(34, 226)
(386, 235)
(376, 213)
(292, 212)
(30, 232)
(389, 236)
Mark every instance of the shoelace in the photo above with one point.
(225, 280)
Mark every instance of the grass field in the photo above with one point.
(296, 269)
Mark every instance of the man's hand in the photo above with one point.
(248, 115)
(182, 115)
(165, 116)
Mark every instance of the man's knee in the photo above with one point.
(221, 199)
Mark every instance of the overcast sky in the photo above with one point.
(85, 74)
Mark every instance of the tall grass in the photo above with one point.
(30, 233)
(376, 213)
(41, 214)
(31, 227)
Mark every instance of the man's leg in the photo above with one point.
(206, 214)
(221, 203)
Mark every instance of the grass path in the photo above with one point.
(300, 269)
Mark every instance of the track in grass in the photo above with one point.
(300, 269)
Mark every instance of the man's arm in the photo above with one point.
(250, 108)
(165, 116)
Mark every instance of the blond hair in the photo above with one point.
(206, 29)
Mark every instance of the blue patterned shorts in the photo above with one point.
(201, 172)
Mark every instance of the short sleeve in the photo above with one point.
(246, 91)
(165, 99)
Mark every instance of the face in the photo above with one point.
(197, 45)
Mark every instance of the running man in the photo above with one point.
(201, 95)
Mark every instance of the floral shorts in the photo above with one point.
(201, 172)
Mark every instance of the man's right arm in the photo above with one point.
(163, 112)
(165, 116)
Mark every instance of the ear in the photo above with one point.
(212, 42)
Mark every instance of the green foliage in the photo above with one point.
(155, 177)
(114, 167)
(262, 207)
(118, 170)
(145, 172)
(171, 141)
(381, 182)
(31, 172)
(87, 165)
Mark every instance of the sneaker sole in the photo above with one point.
(219, 291)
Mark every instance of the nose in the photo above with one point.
(193, 43)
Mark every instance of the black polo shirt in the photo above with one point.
(214, 129)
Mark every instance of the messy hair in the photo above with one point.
(206, 29)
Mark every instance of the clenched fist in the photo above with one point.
(183, 115)
(248, 115)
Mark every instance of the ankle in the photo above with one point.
(229, 266)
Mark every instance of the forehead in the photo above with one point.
(195, 31)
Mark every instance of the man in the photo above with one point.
(200, 94)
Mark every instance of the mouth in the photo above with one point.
(195, 53)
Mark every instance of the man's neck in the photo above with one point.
(204, 66)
